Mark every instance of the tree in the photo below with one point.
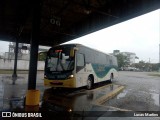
(42, 56)
(145, 66)
(156, 66)
(122, 60)
(141, 64)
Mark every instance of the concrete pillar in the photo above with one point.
(34, 45)
(15, 60)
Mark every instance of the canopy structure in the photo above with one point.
(52, 22)
(64, 20)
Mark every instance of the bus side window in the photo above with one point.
(111, 62)
(80, 60)
(107, 60)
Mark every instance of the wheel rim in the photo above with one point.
(111, 78)
(89, 83)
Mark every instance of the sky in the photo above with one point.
(140, 35)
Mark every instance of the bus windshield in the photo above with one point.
(59, 60)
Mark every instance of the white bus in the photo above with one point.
(75, 65)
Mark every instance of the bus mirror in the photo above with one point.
(72, 53)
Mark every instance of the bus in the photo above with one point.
(75, 65)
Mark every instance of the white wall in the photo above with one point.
(21, 64)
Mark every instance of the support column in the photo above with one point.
(159, 53)
(34, 45)
(33, 65)
(15, 60)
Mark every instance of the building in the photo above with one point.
(23, 51)
(23, 56)
(130, 55)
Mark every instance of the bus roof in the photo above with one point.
(77, 45)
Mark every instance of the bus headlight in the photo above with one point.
(71, 76)
(70, 110)
(45, 76)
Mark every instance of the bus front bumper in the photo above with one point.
(68, 83)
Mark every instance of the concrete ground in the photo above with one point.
(141, 93)
(13, 91)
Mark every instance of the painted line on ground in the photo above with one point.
(108, 96)
(95, 89)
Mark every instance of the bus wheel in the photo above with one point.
(89, 83)
(111, 78)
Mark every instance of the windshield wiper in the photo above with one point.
(59, 62)
(61, 65)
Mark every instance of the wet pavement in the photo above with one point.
(1, 93)
(79, 103)
(141, 93)
(78, 99)
(13, 91)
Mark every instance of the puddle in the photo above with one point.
(16, 102)
(122, 94)
(78, 101)
(1, 94)
(13, 103)
(136, 100)
(151, 90)
(156, 98)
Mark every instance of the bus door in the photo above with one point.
(80, 73)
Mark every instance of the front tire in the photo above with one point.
(89, 83)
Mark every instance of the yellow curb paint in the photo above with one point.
(118, 108)
(106, 97)
(32, 97)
